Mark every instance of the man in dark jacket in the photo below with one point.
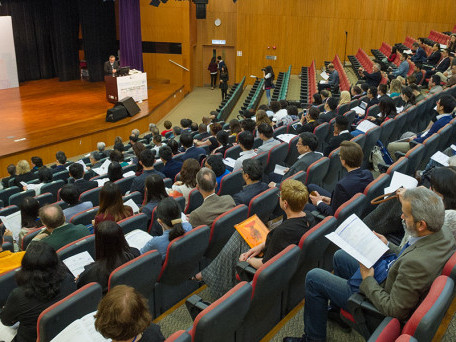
(252, 172)
(341, 133)
(374, 78)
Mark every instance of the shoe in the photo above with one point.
(334, 315)
(294, 339)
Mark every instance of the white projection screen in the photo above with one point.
(8, 66)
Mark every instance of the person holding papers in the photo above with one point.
(111, 251)
(445, 107)
(69, 194)
(387, 112)
(356, 180)
(44, 177)
(8, 260)
(409, 274)
(42, 281)
(333, 80)
(111, 205)
(77, 172)
(169, 218)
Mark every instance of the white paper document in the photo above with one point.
(399, 109)
(453, 147)
(102, 181)
(129, 174)
(280, 170)
(440, 158)
(323, 82)
(400, 180)
(365, 125)
(77, 262)
(80, 162)
(409, 52)
(133, 205)
(229, 162)
(286, 137)
(103, 169)
(358, 110)
(324, 75)
(12, 222)
(355, 238)
(137, 238)
(82, 329)
(8, 333)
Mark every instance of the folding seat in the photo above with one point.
(233, 152)
(330, 132)
(92, 195)
(257, 142)
(85, 244)
(444, 137)
(388, 330)
(45, 198)
(9, 210)
(138, 221)
(342, 109)
(292, 154)
(414, 156)
(181, 263)
(359, 139)
(321, 131)
(140, 273)
(289, 126)
(387, 131)
(7, 284)
(262, 158)
(317, 171)
(62, 175)
(18, 197)
(181, 202)
(231, 183)
(373, 190)
(29, 237)
(53, 188)
(299, 176)
(8, 246)
(195, 199)
(280, 130)
(61, 314)
(136, 196)
(268, 283)
(353, 206)
(276, 155)
(264, 204)
(222, 228)
(219, 320)
(372, 136)
(128, 168)
(85, 217)
(449, 269)
(179, 336)
(313, 245)
(399, 127)
(125, 184)
(401, 165)
(373, 111)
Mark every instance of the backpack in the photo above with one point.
(380, 155)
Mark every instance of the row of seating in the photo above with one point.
(227, 106)
(254, 97)
(304, 90)
(284, 86)
(438, 37)
(312, 81)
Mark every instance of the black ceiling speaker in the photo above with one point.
(200, 8)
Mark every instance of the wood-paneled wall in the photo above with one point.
(301, 30)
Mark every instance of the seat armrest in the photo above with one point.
(318, 215)
(399, 154)
(195, 305)
(245, 271)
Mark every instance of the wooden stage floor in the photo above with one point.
(45, 112)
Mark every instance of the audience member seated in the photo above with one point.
(30, 220)
(174, 145)
(309, 121)
(77, 172)
(42, 281)
(44, 176)
(168, 124)
(213, 204)
(37, 163)
(274, 108)
(185, 125)
(101, 146)
(434, 57)
(69, 194)
(111, 205)
(23, 173)
(408, 97)
(147, 160)
(9, 260)
(387, 110)
(60, 164)
(372, 97)
(330, 110)
(356, 180)
(211, 142)
(11, 169)
(187, 180)
(169, 217)
(434, 85)
(341, 133)
(382, 91)
(417, 92)
(95, 160)
(57, 233)
(316, 99)
(220, 275)
(246, 141)
(202, 132)
(401, 288)
(171, 166)
(115, 172)
(402, 69)
(252, 172)
(262, 117)
(395, 88)
(157, 142)
(123, 315)
(441, 66)
(137, 149)
(282, 117)
(266, 133)
(235, 127)
(177, 131)
(111, 251)
(420, 54)
(117, 156)
(216, 164)
(155, 192)
(374, 78)
(333, 80)
(445, 107)
(192, 151)
(223, 141)
(306, 146)
(248, 125)
(344, 97)
(194, 127)
(451, 80)
(355, 92)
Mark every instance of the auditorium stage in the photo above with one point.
(42, 117)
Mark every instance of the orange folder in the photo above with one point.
(252, 230)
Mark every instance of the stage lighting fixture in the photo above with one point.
(155, 3)
(200, 8)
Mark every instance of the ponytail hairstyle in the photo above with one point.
(168, 211)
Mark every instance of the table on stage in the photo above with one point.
(134, 85)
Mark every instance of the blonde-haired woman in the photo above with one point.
(395, 88)
(23, 173)
(262, 117)
(344, 97)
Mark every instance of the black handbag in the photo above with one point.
(116, 113)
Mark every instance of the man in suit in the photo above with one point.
(408, 277)
(252, 172)
(213, 204)
(77, 172)
(171, 167)
(191, 151)
(111, 66)
(374, 78)
(372, 97)
(330, 110)
(420, 54)
(402, 69)
(147, 160)
(441, 66)
(434, 57)
(341, 133)
(333, 80)
(306, 146)
(356, 180)
(245, 140)
(266, 133)
(61, 234)
(60, 164)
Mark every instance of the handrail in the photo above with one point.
(178, 65)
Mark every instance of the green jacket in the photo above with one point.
(65, 235)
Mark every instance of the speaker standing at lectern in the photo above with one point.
(111, 66)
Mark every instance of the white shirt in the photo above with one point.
(243, 156)
(280, 115)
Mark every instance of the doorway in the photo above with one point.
(228, 55)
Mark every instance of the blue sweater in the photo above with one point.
(445, 119)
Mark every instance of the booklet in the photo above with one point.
(133, 205)
(355, 238)
(137, 238)
(400, 180)
(252, 230)
(102, 181)
(82, 329)
(103, 169)
(358, 110)
(129, 174)
(7, 333)
(440, 158)
(229, 162)
(280, 170)
(76, 263)
(324, 75)
(13, 222)
(365, 125)
(286, 137)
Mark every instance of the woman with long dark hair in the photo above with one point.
(223, 141)
(224, 81)
(111, 205)
(387, 111)
(408, 97)
(115, 172)
(169, 216)
(111, 251)
(155, 192)
(29, 216)
(42, 281)
(268, 75)
(213, 69)
(187, 182)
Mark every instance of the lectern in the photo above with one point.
(134, 85)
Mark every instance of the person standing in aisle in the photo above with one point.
(213, 69)
(224, 81)
(268, 75)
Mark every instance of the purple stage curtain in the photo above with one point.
(130, 34)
